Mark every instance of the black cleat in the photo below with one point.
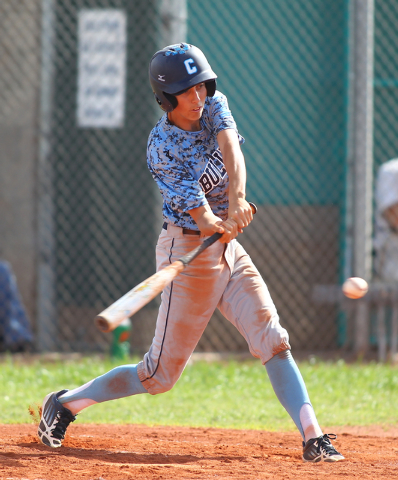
(321, 450)
(54, 421)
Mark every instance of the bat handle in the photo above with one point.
(253, 207)
(186, 259)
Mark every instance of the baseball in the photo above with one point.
(355, 287)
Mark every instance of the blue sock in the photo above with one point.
(288, 385)
(120, 382)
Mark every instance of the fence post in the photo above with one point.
(174, 15)
(361, 153)
(46, 315)
(173, 29)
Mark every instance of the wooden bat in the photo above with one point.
(147, 290)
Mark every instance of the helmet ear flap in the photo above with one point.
(211, 88)
(169, 102)
(172, 100)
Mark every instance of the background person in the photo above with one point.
(386, 219)
(15, 330)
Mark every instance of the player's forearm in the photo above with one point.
(234, 163)
(235, 166)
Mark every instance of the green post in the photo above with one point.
(120, 347)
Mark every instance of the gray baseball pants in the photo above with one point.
(222, 277)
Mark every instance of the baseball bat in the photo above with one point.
(147, 290)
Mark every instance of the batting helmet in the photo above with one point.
(177, 68)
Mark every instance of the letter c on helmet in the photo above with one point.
(188, 66)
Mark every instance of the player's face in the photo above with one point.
(190, 108)
(391, 215)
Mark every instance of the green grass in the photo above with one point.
(221, 394)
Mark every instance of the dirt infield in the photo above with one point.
(108, 452)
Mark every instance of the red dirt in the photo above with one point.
(108, 452)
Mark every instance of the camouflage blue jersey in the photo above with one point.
(188, 166)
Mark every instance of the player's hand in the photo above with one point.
(207, 222)
(230, 230)
(241, 212)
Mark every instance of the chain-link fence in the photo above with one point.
(101, 218)
(283, 73)
(385, 82)
(76, 110)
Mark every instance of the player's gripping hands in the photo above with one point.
(240, 217)
(208, 223)
(241, 212)
(229, 229)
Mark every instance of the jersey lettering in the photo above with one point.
(217, 160)
(188, 66)
(205, 183)
(213, 173)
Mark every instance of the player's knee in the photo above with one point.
(161, 383)
(160, 387)
(162, 376)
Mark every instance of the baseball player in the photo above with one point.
(194, 155)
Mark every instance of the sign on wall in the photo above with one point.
(101, 68)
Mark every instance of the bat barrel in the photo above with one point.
(102, 324)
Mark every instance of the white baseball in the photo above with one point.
(355, 287)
